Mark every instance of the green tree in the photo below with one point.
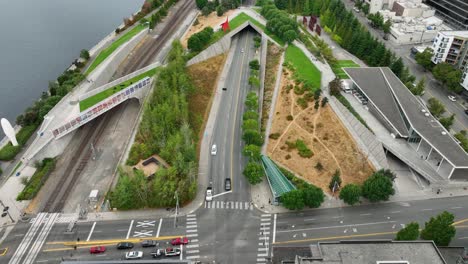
(436, 107)
(461, 136)
(201, 3)
(447, 122)
(254, 64)
(250, 115)
(293, 200)
(334, 87)
(448, 76)
(387, 26)
(335, 181)
(219, 10)
(313, 196)
(84, 54)
(324, 101)
(410, 232)
(453, 81)
(440, 229)
(424, 58)
(377, 188)
(397, 67)
(350, 193)
(194, 43)
(365, 9)
(252, 151)
(251, 124)
(251, 101)
(419, 88)
(254, 172)
(252, 137)
(254, 81)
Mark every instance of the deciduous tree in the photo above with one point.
(350, 193)
(410, 232)
(254, 172)
(293, 200)
(313, 196)
(377, 188)
(424, 58)
(440, 229)
(436, 107)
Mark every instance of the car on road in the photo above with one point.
(97, 249)
(148, 243)
(452, 98)
(171, 252)
(356, 9)
(157, 253)
(179, 241)
(214, 150)
(124, 245)
(134, 255)
(209, 194)
(227, 184)
(242, 50)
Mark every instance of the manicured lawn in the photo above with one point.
(108, 51)
(304, 70)
(90, 101)
(337, 68)
(239, 20)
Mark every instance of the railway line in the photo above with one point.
(93, 131)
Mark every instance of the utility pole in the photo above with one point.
(176, 209)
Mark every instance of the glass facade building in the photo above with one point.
(453, 12)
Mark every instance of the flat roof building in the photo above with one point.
(361, 252)
(408, 121)
(453, 12)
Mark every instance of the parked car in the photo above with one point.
(214, 150)
(179, 241)
(157, 253)
(452, 98)
(148, 243)
(97, 249)
(124, 245)
(134, 255)
(227, 184)
(171, 252)
(209, 194)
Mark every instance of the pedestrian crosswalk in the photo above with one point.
(230, 205)
(264, 239)
(62, 218)
(192, 248)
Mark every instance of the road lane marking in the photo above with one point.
(191, 226)
(265, 215)
(191, 222)
(460, 222)
(365, 214)
(334, 237)
(395, 212)
(265, 219)
(309, 219)
(24, 245)
(274, 228)
(456, 207)
(34, 250)
(109, 241)
(91, 231)
(129, 229)
(193, 257)
(192, 235)
(193, 251)
(181, 251)
(463, 238)
(330, 227)
(159, 227)
(143, 233)
(191, 219)
(192, 231)
(146, 223)
(191, 246)
(428, 209)
(191, 215)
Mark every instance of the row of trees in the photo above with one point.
(162, 12)
(164, 129)
(378, 187)
(280, 23)
(440, 229)
(209, 6)
(198, 41)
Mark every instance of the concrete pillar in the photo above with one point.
(440, 163)
(451, 172)
(428, 155)
(419, 144)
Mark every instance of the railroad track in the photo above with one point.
(79, 160)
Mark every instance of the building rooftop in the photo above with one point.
(456, 33)
(365, 252)
(388, 94)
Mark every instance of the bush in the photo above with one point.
(198, 41)
(410, 232)
(274, 135)
(350, 193)
(319, 166)
(304, 151)
(313, 196)
(254, 64)
(37, 180)
(293, 200)
(336, 179)
(377, 188)
(289, 118)
(302, 102)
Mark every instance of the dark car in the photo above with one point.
(227, 184)
(148, 243)
(124, 245)
(466, 111)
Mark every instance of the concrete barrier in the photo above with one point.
(263, 57)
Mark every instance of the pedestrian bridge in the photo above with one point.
(81, 106)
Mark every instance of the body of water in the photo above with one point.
(40, 39)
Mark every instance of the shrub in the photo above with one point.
(291, 145)
(410, 232)
(336, 179)
(319, 166)
(313, 196)
(287, 157)
(304, 151)
(250, 115)
(274, 135)
(254, 64)
(350, 193)
(289, 118)
(293, 200)
(37, 180)
(302, 102)
(377, 188)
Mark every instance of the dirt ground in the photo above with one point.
(323, 133)
(212, 20)
(271, 68)
(205, 77)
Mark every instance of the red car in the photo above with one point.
(179, 241)
(97, 250)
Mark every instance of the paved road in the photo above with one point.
(433, 88)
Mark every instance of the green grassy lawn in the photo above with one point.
(90, 101)
(108, 51)
(239, 20)
(304, 70)
(337, 68)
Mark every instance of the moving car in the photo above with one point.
(157, 253)
(227, 184)
(171, 252)
(179, 241)
(148, 243)
(452, 98)
(124, 245)
(134, 255)
(214, 150)
(97, 249)
(209, 194)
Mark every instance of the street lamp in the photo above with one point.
(176, 208)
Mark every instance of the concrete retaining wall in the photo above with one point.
(367, 141)
(263, 55)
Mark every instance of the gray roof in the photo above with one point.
(378, 81)
(369, 252)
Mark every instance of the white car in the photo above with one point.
(452, 98)
(134, 255)
(170, 252)
(209, 194)
(242, 50)
(356, 9)
(214, 150)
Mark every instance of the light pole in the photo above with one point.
(176, 208)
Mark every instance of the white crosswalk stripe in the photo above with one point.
(230, 205)
(193, 257)
(263, 249)
(192, 251)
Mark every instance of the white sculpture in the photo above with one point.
(9, 131)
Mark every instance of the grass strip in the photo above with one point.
(90, 101)
(34, 184)
(108, 51)
(304, 69)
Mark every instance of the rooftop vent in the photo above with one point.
(444, 133)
